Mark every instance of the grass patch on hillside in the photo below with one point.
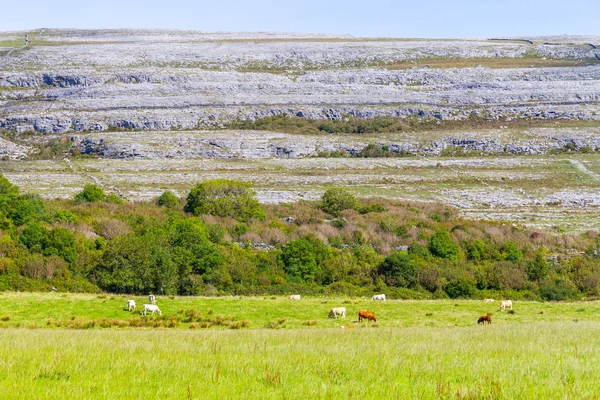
(532, 61)
(486, 62)
(354, 126)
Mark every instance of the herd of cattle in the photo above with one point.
(333, 313)
(370, 316)
(152, 307)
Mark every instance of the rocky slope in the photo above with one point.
(158, 80)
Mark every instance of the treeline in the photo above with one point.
(220, 240)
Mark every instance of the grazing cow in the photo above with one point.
(348, 327)
(488, 300)
(152, 299)
(151, 307)
(131, 305)
(366, 315)
(504, 304)
(295, 297)
(483, 319)
(334, 312)
(378, 297)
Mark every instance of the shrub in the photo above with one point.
(441, 245)
(538, 268)
(224, 198)
(113, 198)
(64, 216)
(336, 200)
(215, 233)
(558, 289)
(510, 251)
(460, 288)
(299, 259)
(377, 208)
(168, 200)
(89, 194)
(398, 270)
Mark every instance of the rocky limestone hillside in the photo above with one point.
(79, 81)
(510, 127)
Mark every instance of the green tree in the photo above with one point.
(27, 208)
(299, 259)
(61, 242)
(538, 268)
(137, 264)
(89, 194)
(336, 200)
(64, 216)
(224, 198)
(398, 270)
(34, 237)
(8, 194)
(441, 245)
(510, 251)
(168, 200)
(460, 288)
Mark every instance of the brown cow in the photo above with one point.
(483, 319)
(366, 315)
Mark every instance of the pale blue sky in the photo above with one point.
(435, 18)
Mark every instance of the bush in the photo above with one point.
(377, 208)
(441, 245)
(398, 270)
(510, 251)
(538, 268)
(334, 201)
(224, 198)
(460, 289)
(558, 289)
(89, 194)
(299, 260)
(168, 200)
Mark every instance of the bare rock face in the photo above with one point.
(88, 81)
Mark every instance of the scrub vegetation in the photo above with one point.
(235, 245)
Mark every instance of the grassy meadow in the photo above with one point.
(416, 350)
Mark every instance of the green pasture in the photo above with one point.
(44, 310)
(417, 350)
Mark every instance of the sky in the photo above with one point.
(375, 18)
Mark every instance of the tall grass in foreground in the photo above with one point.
(556, 360)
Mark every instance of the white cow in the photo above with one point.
(488, 300)
(151, 307)
(504, 304)
(334, 312)
(295, 297)
(380, 297)
(131, 305)
(152, 299)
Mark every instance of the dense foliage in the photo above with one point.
(224, 198)
(225, 242)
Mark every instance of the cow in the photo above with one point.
(483, 319)
(378, 297)
(334, 312)
(131, 305)
(488, 300)
(504, 304)
(295, 297)
(151, 307)
(152, 299)
(366, 315)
